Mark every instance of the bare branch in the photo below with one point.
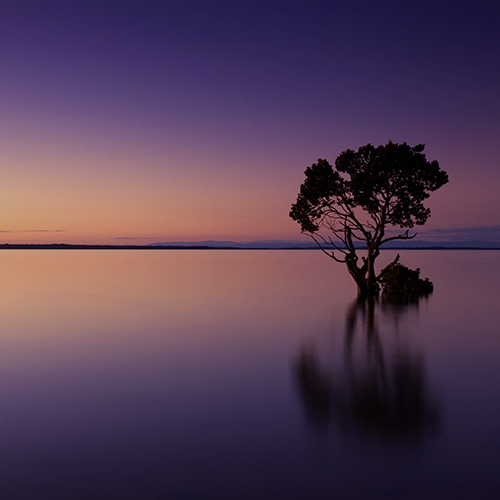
(403, 236)
(386, 268)
(332, 254)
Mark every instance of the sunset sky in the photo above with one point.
(136, 122)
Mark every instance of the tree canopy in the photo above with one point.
(366, 192)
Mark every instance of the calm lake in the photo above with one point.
(224, 374)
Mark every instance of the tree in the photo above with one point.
(367, 192)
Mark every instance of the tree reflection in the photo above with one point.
(377, 386)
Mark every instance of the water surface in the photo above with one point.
(245, 374)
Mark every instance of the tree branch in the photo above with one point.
(386, 268)
(404, 236)
(332, 254)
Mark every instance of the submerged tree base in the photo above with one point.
(397, 282)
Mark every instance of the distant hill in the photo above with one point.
(263, 244)
(442, 244)
(277, 244)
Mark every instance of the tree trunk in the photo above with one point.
(371, 279)
(359, 276)
(364, 276)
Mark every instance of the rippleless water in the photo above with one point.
(245, 374)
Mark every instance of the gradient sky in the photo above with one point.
(135, 122)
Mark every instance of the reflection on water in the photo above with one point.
(136, 375)
(378, 387)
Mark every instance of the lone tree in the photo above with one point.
(368, 191)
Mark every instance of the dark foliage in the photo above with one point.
(399, 280)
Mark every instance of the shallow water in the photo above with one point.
(245, 374)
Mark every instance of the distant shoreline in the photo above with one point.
(65, 246)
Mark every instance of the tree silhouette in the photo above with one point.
(368, 191)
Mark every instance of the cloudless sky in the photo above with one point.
(163, 121)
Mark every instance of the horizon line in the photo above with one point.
(84, 246)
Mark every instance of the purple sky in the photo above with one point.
(168, 121)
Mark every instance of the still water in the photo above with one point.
(173, 375)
